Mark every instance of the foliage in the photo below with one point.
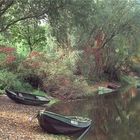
(136, 68)
(13, 11)
(7, 56)
(38, 92)
(110, 26)
(135, 63)
(27, 33)
(54, 74)
(128, 80)
(52, 44)
(11, 80)
(61, 63)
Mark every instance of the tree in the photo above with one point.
(13, 11)
(29, 32)
(110, 26)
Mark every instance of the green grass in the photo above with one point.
(52, 102)
(41, 93)
(1, 92)
(129, 80)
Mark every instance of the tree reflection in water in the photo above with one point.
(115, 116)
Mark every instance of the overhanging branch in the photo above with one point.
(7, 5)
(33, 15)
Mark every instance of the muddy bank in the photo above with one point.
(15, 124)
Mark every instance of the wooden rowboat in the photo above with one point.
(59, 124)
(26, 98)
(113, 86)
(104, 90)
(138, 85)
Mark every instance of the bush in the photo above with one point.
(128, 80)
(10, 80)
(43, 66)
(54, 74)
(136, 68)
(67, 87)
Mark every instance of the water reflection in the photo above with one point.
(115, 116)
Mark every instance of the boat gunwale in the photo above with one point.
(25, 100)
(15, 93)
(51, 115)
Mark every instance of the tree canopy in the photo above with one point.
(105, 33)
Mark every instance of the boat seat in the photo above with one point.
(26, 96)
(20, 95)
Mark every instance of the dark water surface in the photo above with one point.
(115, 116)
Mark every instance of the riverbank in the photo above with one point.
(15, 124)
(91, 91)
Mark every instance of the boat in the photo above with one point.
(59, 124)
(26, 98)
(138, 85)
(105, 90)
(137, 82)
(113, 86)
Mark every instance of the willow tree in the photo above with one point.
(20, 21)
(13, 11)
(28, 34)
(106, 31)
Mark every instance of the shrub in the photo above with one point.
(8, 57)
(53, 74)
(10, 80)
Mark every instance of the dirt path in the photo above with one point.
(15, 124)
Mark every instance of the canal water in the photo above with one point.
(115, 116)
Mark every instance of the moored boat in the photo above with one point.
(138, 85)
(113, 86)
(60, 124)
(105, 90)
(26, 98)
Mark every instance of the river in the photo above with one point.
(115, 116)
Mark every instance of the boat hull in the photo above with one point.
(55, 126)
